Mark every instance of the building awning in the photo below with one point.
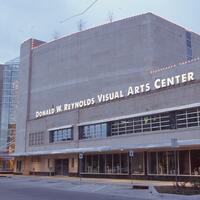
(181, 143)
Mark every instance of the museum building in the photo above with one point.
(118, 100)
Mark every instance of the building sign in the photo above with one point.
(130, 91)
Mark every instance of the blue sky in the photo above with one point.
(40, 19)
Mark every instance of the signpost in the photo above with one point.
(80, 164)
(174, 145)
(131, 155)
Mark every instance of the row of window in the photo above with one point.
(105, 163)
(158, 163)
(164, 121)
(141, 124)
(188, 162)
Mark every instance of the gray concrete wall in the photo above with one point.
(174, 96)
(195, 45)
(104, 59)
(23, 97)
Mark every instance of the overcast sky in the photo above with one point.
(41, 19)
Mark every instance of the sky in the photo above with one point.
(43, 19)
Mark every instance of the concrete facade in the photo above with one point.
(102, 60)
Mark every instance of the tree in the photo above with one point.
(110, 17)
(56, 35)
(80, 25)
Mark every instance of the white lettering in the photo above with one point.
(137, 89)
(59, 108)
(130, 91)
(157, 84)
(147, 87)
(177, 79)
(190, 76)
(170, 81)
(184, 78)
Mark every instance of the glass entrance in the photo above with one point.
(61, 167)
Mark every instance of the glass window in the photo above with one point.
(124, 163)
(195, 162)
(184, 162)
(165, 121)
(138, 163)
(102, 162)
(36, 138)
(88, 164)
(171, 162)
(189, 52)
(65, 134)
(162, 163)
(93, 131)
(137, 124)
(192, 117)
(116, 163)
(108, 164)
(129, 126)
(122, 127)
(188, 35)
(104, 130)
(152, 162)
(181, 119)
(146, 123)
(98, 129)
(95, 163)
(189, 44)
(155, 122)
(60, 135)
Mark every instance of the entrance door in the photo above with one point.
(61, 166)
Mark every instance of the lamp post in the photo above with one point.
(174, 145)
(131, 155)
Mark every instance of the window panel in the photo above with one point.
(60, 135)
(152, 162)
(93, 131)
(36, 138)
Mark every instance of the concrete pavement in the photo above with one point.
(113, 187)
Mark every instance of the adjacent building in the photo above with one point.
(9, 90)
(116, 100)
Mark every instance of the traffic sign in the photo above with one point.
(81, 156)
(131, 153)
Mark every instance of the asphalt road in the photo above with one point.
(10, 192)
(20, 189)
